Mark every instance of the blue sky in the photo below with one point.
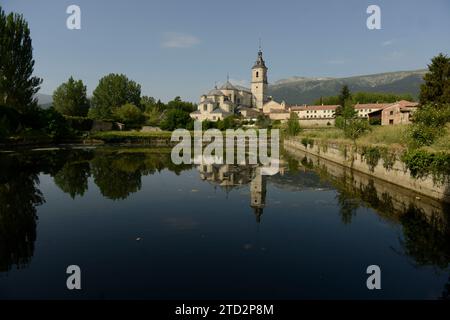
(183, 47)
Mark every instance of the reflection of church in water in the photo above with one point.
(232, 176)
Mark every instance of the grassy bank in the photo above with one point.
(389, 144)
(131, 137)
(392, 137)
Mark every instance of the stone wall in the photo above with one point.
(398, 174)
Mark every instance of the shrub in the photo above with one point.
(429, 122)
(356, 128)
(422, 163)
(54, 124)
(371, 155)
(79, 123)
(175, 119)
(389, 158)
(129, 114)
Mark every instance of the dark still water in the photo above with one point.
(140, 227)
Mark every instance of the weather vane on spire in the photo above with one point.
(259, 44)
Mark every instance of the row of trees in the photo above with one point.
(362, 97)
(117, 98)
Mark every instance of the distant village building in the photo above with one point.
(399, 112)
(315, 112)
(230, 99)
(364, 109)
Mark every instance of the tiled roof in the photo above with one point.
(215, 92)
(278, 111)
(227, 86)
(322, 107)
(362, 106)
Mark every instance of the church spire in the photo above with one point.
(259, 60)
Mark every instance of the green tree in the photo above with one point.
(344, 96)
(177, 103)
(129, 113)
(112, 92)
(176, 119)
(436, 88)
(346, 115)
(148, 104)
(293, 125)
(365, 97)
(355, 128)
(227, 123)
(263, 121)
(70, 98)
(53, 123)
(17, 85)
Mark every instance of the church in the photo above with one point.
(230, 99)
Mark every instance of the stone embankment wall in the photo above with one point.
(397, 172)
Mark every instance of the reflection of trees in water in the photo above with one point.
(446, 292)
(19, 197)
(426, 235)
(73, 178)
(117, 173)
(117, 176)
(424, 239)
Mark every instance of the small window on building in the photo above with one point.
(391, 113)
(391, 121)
(257, 74)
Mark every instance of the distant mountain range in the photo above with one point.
(300, 90)
(44, 100)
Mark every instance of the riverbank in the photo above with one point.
(423, 172)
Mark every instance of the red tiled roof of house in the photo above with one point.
(320, 107)
(360, 106)
(401, 103)
(278, 111)
(405, 103)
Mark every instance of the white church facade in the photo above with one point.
(230, 99)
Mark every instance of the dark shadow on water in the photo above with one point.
(116, 173)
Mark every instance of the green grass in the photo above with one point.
(393, 137)
(131, 134)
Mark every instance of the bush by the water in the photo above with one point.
(422, 163)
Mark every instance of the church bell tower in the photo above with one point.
(259, 82)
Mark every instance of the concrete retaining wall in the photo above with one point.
(398, 175)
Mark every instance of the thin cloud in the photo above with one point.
(179, 40)
(387, 43)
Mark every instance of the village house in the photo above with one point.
(399, 112)
(363, 110)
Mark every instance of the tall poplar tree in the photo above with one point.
(18, 86)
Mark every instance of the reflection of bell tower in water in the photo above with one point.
(258, 194)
